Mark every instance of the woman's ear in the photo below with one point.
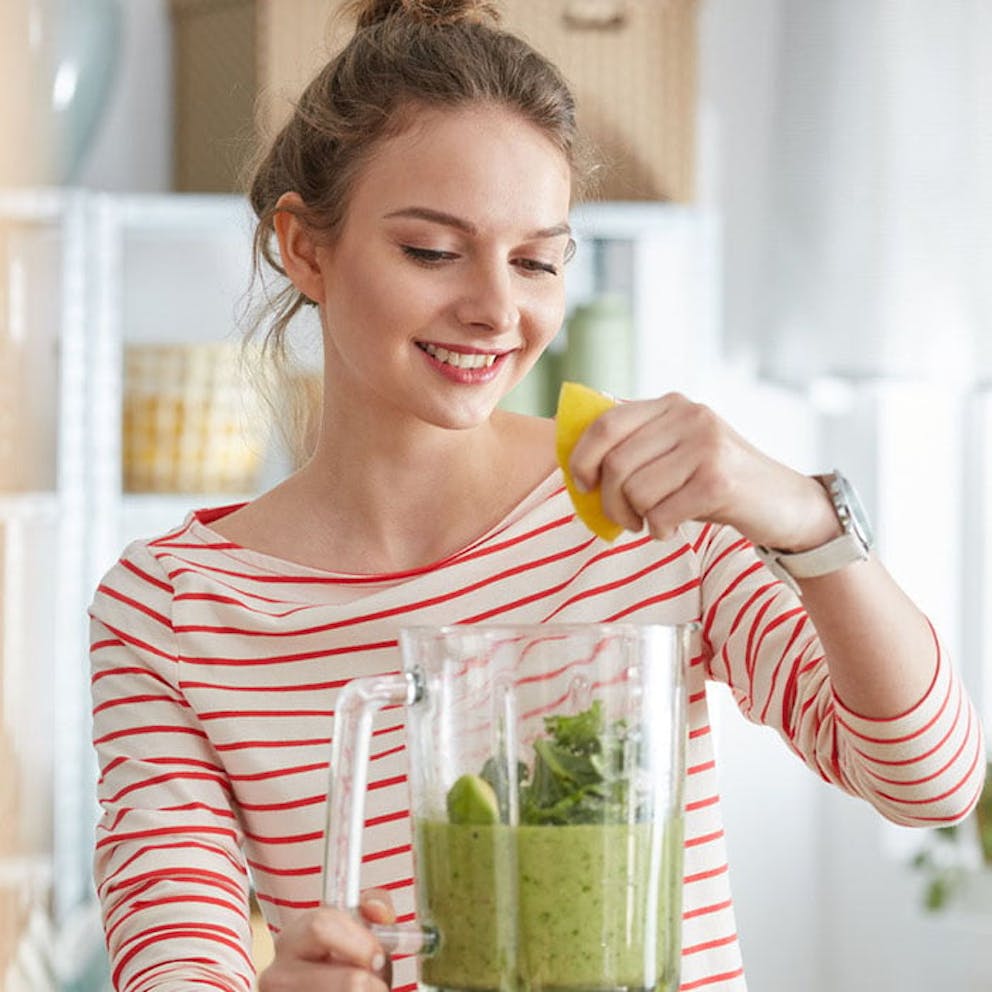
(297, 248)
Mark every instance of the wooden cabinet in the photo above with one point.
(632, 68)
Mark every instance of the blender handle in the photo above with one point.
(357, 704)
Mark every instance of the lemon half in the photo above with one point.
(578, 407)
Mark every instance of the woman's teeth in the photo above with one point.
(458, 359)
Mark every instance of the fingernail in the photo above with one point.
(579, 484)
(378, 961)
(373, 903)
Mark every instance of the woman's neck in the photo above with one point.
(376, 509)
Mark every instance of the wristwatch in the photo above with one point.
(853, 545)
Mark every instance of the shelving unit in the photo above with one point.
(42, 514)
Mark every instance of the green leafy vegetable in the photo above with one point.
(581, 774)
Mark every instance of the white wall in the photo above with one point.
(825, 899)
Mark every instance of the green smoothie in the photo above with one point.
(549, 907)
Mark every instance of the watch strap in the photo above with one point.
(823, 560)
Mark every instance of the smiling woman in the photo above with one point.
(424, 213)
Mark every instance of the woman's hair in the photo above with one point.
(404, 55)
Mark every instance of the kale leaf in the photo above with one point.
(581, 771)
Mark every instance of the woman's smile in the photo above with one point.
(463, 365)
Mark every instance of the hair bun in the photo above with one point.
(434, 12)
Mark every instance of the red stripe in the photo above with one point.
(208, 715)
(188, 829)
(711, 980)
(716, 907)
(135, 605)
(241, 602)
(122, 670)
(285, 872)
(315, 800)
(288, 903)
(251, 745)
(654, 600)
(149, 783)
(146, 576)
(133, 700)
(156, 729)
(110, 642)
(285, 659)
(255, 687)
(389, 852)
(704, 838)
(376, 821)
(701, 876)
(709, 945)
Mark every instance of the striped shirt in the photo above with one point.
(215, 675)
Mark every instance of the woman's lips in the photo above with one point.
(463, 365)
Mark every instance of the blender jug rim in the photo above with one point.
(565, 627)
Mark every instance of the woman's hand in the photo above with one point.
(662, 462)
(328, 950)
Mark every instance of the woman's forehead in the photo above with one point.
(475, 155)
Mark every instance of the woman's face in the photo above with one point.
(445, 281)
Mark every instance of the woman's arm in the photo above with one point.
(168, 865)
(864, 691)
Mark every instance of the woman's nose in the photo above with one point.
(488, 299)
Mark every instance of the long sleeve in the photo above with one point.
(168, 865)
(924, 767)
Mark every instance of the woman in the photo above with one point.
(419, 198)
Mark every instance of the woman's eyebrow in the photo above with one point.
(460, 224)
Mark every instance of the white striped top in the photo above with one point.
(215, 675)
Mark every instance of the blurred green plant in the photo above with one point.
(943, 862)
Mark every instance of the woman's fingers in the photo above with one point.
(605, 434)
(329, 950)
(331, 935)
(376, 906)
(647, 452)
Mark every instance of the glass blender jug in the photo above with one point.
(546, 768)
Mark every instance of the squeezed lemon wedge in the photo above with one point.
(578, 407)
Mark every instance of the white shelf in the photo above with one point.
(26, 872)
(18, 506)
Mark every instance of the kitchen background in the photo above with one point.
(798, 232)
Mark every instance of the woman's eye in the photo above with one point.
(428, 256)
(534, 265)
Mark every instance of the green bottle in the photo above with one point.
(599, 345)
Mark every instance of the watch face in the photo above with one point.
(849, 506)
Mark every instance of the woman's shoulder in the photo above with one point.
(145, 566)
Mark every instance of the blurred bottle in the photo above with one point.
(537, 392)
(599, 345)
